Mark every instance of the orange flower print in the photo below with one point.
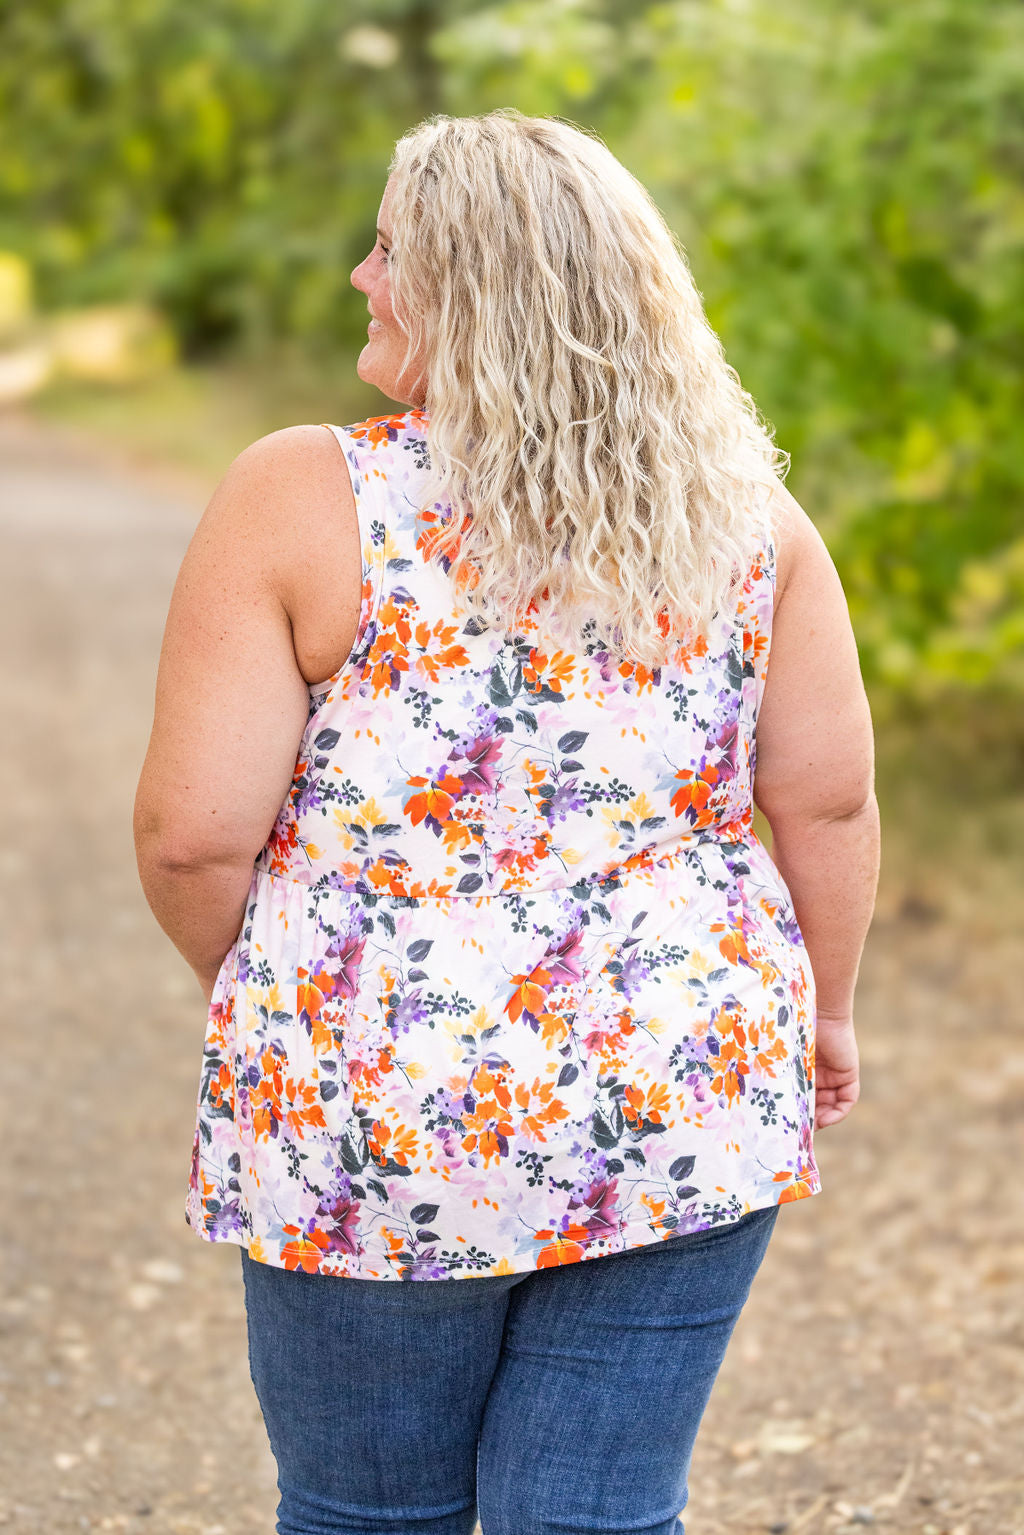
(305, 1111)
(733, 946)
(755, 648)
(283, 842)
(642, 1107)
(685, 655)
(222, 1087)
(691, 800)
(643, 678)
(656, 1211)
(733, 1065)
(486, 1115)
(608, 1038)
(398, 1145)
(548, 674)
(389, 653)
(265, 1094)
(306, 1249)
(797, 1188)
(541, 1109)
(529, 995)
(439, 650)
(565, 1248)
(433, 533)
(803, 1180)
(379, 430)
(434, 805)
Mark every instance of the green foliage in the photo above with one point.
(846, 180)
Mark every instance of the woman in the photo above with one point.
(449, 806)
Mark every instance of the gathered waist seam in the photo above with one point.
(726, 834)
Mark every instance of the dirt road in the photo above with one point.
(877, 1374)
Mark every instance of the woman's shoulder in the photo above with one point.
(290, 476)
(288, 496)
(288, 509)
(297, 478)
(300, 452)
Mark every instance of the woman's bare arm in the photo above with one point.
(231, 702)
(814, 783)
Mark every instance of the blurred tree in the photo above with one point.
(221, 158)
(846, 181)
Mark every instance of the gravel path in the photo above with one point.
(877, 1374)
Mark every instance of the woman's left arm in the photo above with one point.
(231, 707)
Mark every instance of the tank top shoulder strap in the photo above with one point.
(766, 565)
(370, 489)
(759, 608)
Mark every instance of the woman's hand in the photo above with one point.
(836, 1069)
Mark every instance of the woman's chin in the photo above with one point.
(369, 370)
(366, 370)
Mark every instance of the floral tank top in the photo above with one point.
(517, 984)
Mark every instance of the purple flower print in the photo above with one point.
(723, 754)
(562, 962)
(690, 1221)
(409, 1010)
(223, 1217)
(446, 1104)
(346, 955)
(338, 1219)
(700, 1092)
(600, 1202)
(448, 1138)
(477, 764)
(565, 799)
(307, 797)
(635, 970)
(788, 926)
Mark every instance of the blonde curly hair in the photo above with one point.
(600, 456)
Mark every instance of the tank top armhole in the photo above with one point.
(763, 607)
(370, 507)
(768, 554)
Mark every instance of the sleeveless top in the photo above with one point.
(517, 984)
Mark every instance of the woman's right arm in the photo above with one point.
(814, 783)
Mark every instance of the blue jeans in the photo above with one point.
(561, 1401)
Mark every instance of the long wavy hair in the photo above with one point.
(600, 459)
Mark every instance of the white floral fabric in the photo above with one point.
(517, 983)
